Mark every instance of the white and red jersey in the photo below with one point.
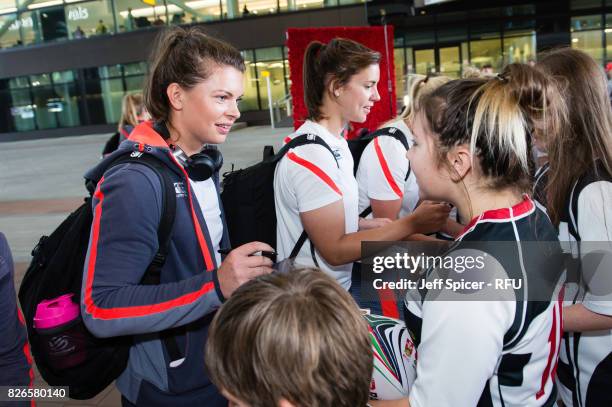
(308, 178)
(382, 171)
(487, 352)
(585, 363)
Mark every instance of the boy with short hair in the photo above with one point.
(294, 339)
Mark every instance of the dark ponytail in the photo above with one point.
(314, 85)
(335, 62)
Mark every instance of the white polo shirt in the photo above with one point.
(308, 178)
(207, 197)
(382, 172)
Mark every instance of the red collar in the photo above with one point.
(145, 133)
(524, 207)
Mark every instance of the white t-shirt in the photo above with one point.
(206, 194)
(588, 362)
(308, 178)
(382, 172)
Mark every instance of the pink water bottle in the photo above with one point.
(58, 322)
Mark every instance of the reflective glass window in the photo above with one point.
(399, 61)
(134, 14)
(247, 8)
(65, 104)
(112, 91)
(486, 52)
(28, 25)
(186, 12)
(270, 60)
(586, 22)
(7, 6)
(44, 101)
(589, 42)
(304, 4)
(22, 110)
(608, 45)
(519, 48)
(83, 19)
(11, 36)
(249, 99)
(52, 23)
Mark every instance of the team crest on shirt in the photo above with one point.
(179, 188)
(337, 154)
(408, 349)
(373, 393)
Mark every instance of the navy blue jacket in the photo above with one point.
(15, 359)
(127, 206)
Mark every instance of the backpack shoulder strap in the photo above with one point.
(390, 132)
(296, 142)
(164, 231)
(303, 140)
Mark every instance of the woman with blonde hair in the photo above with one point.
(386, 183)
(133, 112)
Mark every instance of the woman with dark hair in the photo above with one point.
(579, 196)
(482, 345)
(315, 189)
(192, 93)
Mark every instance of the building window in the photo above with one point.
(589, 42)
(486, 52)
(519, 48)
(270, 60)
(89, 19)
(250, 98)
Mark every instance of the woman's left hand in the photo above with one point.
(365, 224)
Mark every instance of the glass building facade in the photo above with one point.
(93, 96)
(443, 42)
(27, 22)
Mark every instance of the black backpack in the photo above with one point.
(72, 356)
(248, 197)
(359, 144)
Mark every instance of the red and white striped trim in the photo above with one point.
(525, 208)
(315, 170)
(386, 171)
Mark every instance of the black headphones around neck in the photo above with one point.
(200, 166)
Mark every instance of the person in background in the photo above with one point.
(101, 28)
(386, 183)
(133, 112)
(15, 358)
(294, 339)
(78, 33)
(579, 202)
(130, 22)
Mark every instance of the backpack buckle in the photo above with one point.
(159, 259)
